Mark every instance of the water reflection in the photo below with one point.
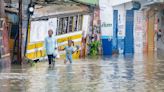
(51, 79)
(69, 72)
(116, 75)
(11, 80)
(129, 68)
(130, 73)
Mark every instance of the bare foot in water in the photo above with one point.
(65, 61)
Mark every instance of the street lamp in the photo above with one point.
(31, 9)
(30, 12)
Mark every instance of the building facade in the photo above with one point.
(128, 26)
(120, 16)
(132, 29)
(154, 14)
(68, 20)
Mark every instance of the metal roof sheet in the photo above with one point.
(149, 3)
(57, 9)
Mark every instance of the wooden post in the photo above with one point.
(2, 15)
(19, 56)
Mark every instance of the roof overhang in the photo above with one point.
(58, 10)
(85, 2)
(117, 3)
(11, 10)
(154, 2)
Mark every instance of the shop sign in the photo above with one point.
(136, 5)
(106, 18)
(106, 24)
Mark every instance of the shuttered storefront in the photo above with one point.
(129, 38)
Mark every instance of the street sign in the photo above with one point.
(136, 5)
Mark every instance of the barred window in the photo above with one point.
(1, 24)
(69, 24)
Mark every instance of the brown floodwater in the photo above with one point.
(130, 73)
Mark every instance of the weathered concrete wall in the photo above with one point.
(117, 2)
(4, 46)
(7, 1)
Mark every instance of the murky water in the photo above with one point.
(138, 73)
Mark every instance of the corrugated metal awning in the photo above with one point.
(58, 9)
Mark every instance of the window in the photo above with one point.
(80, 21)
(59, 26)
(69, 24)
(65, 23)
(1, 24)
(75, 23)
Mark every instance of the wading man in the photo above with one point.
(50, 46)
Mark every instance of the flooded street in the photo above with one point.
(138, 73)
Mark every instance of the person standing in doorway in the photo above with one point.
(50, 46)
(159, 34)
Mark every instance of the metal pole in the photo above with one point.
(19, 56)
(28, 24)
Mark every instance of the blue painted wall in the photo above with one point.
(129, 38)
(115, 31)
(107, 46)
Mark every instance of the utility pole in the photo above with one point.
(2, 20)
(19, 56)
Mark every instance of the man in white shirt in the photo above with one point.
(50, 46)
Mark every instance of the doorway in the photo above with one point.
(115, 31)
(129, 38)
